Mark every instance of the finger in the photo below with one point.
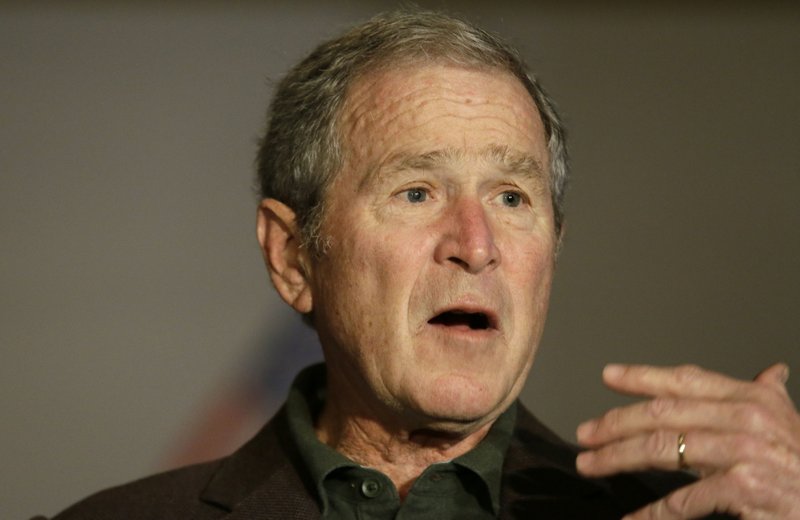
(706, 452)
(657, 450)
(678, 415)
(772, 381)
(776, 375)
(683, 381)
(695, 501)
(743, 493)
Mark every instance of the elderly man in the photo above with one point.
(413, 177)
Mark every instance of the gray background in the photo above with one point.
(131, 281)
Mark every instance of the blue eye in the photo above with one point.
(511, 199)
(416, 195)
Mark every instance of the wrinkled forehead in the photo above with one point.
(384, 85)
(388, 110)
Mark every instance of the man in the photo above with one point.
(413, 176)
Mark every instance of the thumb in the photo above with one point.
(776, 374)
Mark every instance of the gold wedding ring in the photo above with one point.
(681, 451)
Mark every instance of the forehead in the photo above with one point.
(417, 110)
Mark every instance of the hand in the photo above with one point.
(741, 437)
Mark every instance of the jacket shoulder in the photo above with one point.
(168, 495)
(260, 476)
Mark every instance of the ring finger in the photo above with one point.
(705, 451)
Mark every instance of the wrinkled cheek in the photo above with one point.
(533, 289)
(365, 278)
(533, 269)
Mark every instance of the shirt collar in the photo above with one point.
(305, 401)
(304, 404)
(487, 458)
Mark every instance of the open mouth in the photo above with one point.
(459, 318)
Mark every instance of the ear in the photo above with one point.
(287, 262)
(560, 238)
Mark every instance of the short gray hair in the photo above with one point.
(301, 151)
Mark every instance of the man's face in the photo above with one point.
(432, 295)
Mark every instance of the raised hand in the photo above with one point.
(742, 438)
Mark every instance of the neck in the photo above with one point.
(402, 454)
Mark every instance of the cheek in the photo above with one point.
(530, 273)
(369, 269)
(531, 253)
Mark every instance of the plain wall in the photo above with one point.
(131, 280)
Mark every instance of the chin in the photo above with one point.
(457, 403)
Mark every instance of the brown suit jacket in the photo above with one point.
(265, 480)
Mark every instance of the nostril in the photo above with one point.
(474, 259)
(458, 261)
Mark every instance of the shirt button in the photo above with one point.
(370, 488)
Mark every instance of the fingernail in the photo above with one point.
(613, 371)
(785, 374)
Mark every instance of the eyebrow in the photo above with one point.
(516, 162)
(511, 161)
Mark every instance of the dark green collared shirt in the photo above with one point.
(467, 487)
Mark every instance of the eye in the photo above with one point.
(416, 195)
(512, 199)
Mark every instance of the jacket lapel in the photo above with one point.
(260, 480)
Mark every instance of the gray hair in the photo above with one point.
(301, 151)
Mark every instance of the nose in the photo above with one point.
(467, 240)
